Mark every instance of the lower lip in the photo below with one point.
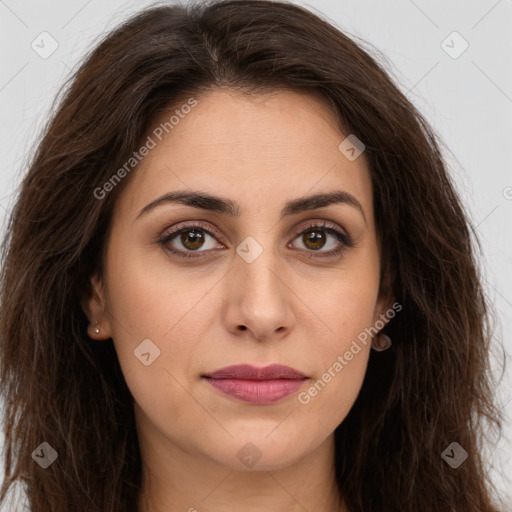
(257, 391)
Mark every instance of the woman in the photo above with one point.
(237, 273)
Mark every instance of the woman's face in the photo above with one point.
(256, 290)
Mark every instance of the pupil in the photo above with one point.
(192, 239)
(315, 238)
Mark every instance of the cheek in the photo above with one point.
(342, 304)
(326, 402)
(171, 309)
(150, 297)
(342, 313)
(341, 353)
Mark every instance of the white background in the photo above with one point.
(467, 99)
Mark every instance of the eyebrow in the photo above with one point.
(208, 202)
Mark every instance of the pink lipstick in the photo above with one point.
(257, 385)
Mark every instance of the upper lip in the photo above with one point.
(247, 371)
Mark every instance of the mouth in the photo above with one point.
(255, 385)
(250, 372)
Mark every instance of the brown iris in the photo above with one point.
(192, 239)
(314, 239)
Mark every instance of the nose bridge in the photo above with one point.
(258, 297)
(257, 265)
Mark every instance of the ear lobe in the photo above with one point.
(94, 306)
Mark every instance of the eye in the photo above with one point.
(190, 237)
(315, 237)
(190, 240)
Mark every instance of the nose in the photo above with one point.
(259, 299)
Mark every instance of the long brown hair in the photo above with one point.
(431, 389)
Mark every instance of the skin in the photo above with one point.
(297, 310)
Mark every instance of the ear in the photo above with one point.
(94, 306)
(382, 309)
(385, 301)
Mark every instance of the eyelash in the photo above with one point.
(345, 239)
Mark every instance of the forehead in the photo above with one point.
(257, 150)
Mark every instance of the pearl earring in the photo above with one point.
(382, 342)
(97, 329)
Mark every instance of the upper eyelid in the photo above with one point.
(341, 234)
(188, 225)
(323, 224)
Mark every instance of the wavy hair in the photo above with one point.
(431, 389)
